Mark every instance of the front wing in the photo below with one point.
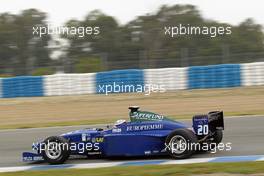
(31, 157)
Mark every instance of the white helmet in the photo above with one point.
(119, 122)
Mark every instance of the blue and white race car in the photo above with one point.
(147, 133)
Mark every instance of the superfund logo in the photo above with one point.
(147, 116)
(144, 127)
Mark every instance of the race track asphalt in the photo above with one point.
(245, 133)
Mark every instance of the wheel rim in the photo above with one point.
(178, 144)
(53, 150)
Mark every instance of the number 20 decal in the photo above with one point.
(202, 130)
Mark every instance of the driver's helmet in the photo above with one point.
(119, 122)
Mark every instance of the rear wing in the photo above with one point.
(216, 120)
(204, 124)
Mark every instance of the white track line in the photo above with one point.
(189, 161)
(260, 159)
(127, 163)
(95, 165)
(15, 169)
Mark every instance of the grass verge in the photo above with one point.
(97, 109)
(155, 170)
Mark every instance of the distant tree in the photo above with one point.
(88, 65)
(20, 49)
(8, 45)
(140, 43)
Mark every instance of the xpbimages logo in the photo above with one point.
(147, 89)
(54, 146)
(181, 146)
(80, 31)
(187, 29)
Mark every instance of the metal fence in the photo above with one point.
(135, 59)
(182, 57)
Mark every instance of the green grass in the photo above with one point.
(151, 170)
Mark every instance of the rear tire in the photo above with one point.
(56, 150)
(176, 141)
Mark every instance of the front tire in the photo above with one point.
(56, 150)
(179, 144)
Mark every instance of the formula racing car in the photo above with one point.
(146, 134)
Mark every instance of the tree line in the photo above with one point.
(140, 43)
